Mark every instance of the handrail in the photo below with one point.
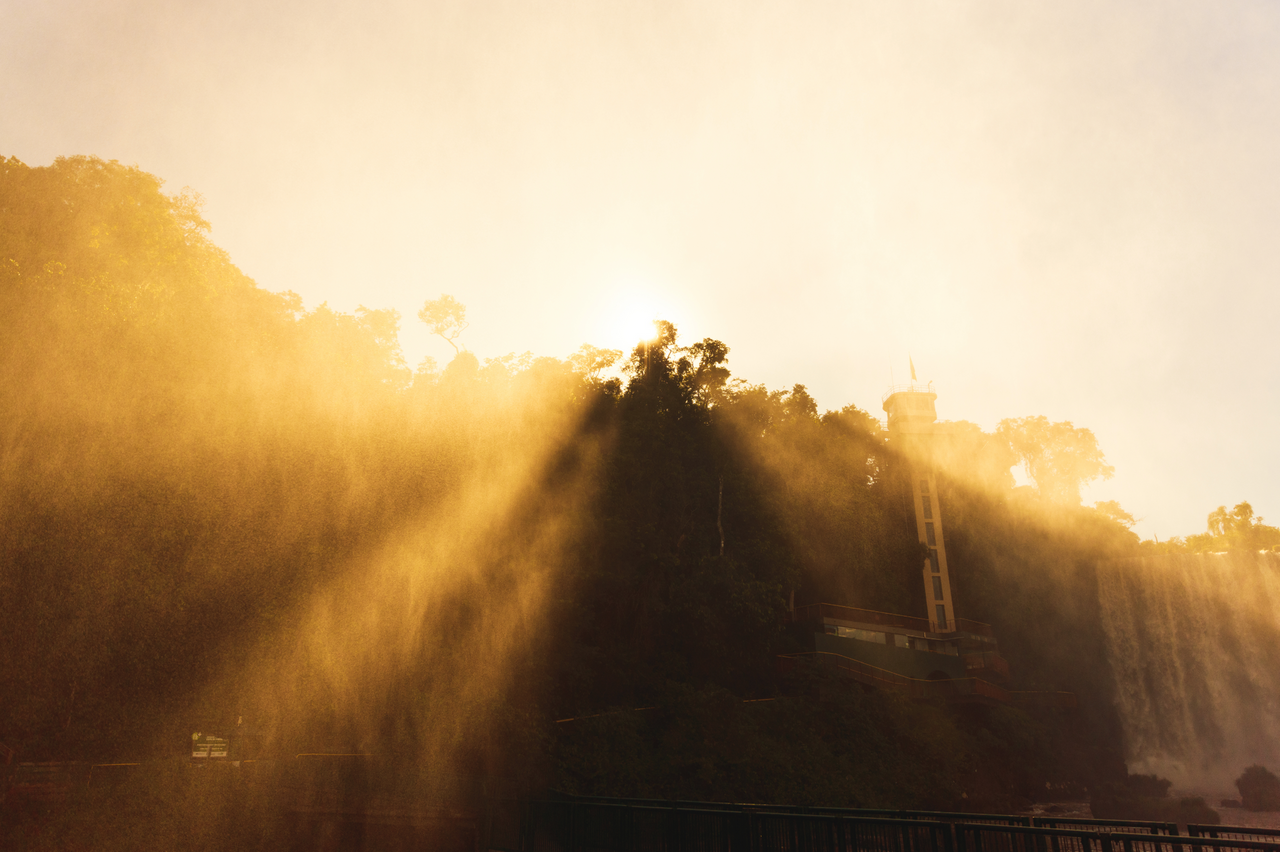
(820, 810)
(1227, 832)
(986, 660)
(1169, 829)
(575, 823)
(887, 619)
(911, 387)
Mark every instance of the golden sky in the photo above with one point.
(1066, 209)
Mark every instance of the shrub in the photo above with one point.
(1149, 786)
(1259, 789)
(1146, 797)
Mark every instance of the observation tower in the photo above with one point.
(941, 656)
(912, 416)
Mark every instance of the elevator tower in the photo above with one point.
(912, 416)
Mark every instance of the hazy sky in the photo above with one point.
(1053, 208)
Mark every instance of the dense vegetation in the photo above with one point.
(220, 508)
(1237, 529)
(1259, 789)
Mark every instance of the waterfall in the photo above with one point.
(1194, 647)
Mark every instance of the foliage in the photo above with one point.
(1146, 797)
(1259, 789)
(1113, 510)
(1058, 456)
(1237, 529)
(446, 317)
(1228, 530)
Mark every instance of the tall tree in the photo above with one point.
(1060, 457)
(446, 317)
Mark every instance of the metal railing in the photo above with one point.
(590, 824)
(617, 827)
(1125, 826)
(912, 387)
(987, 661)
(1017, 838)
(1096, 836)
(1235, 832)
(857, 615)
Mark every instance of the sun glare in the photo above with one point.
(631, 315)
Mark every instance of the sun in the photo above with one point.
(630, 317)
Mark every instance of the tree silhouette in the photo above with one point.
(446, 317)
(1058, 456)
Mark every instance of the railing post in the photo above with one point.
(1038, 842)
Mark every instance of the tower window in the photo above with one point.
(924, 486)
(929, 536)
(933, 561)
(928, 507)
(937, 588)
(942, 616)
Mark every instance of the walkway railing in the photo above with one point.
(987, 661)
(1235, 832)
(819, 611)
(1124, 826)
(913, 387)
(588, 824)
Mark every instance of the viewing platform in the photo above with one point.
(913, 387)
(909, 623)
(957, 660)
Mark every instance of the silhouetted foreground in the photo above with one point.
(225, 511)
(343, 803)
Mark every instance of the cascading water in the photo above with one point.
(1194, 646)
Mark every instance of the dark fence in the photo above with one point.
(1020, 838)
(598, 827)
(1116, 826)
(581, 824)
(972, 838)
(1235, 832)
(872, 813)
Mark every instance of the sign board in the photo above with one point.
(209, 746)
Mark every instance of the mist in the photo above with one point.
(1074, 203)
(247, 492)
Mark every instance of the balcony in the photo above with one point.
(913, 387)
